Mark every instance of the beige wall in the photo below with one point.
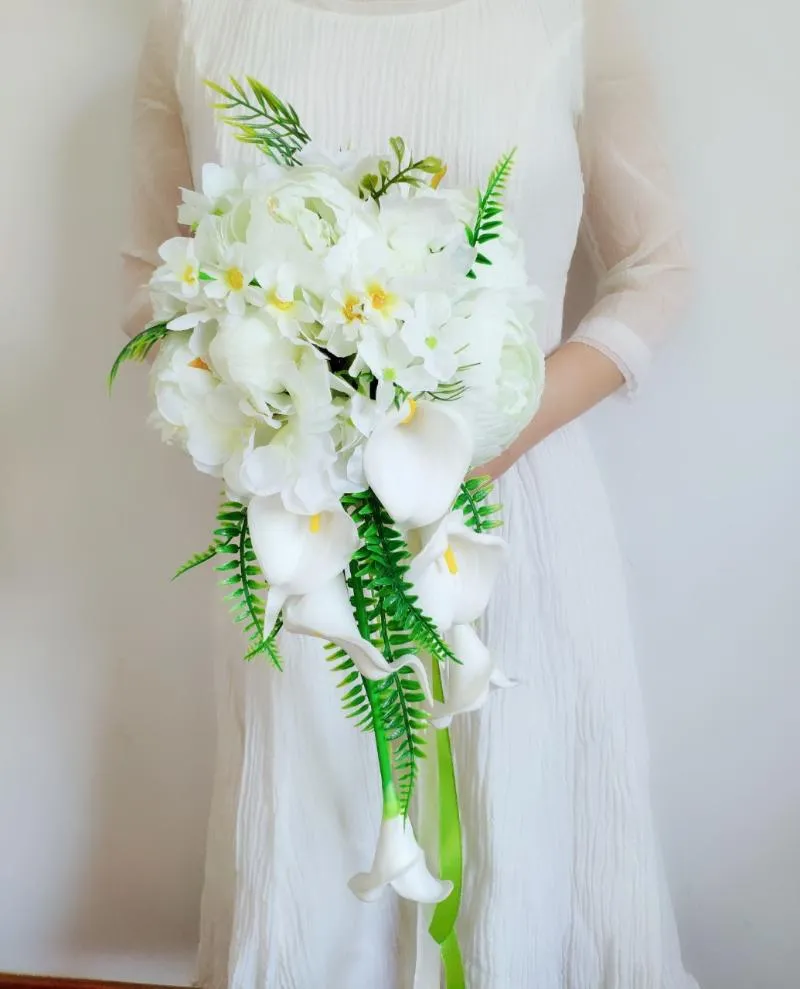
(105, 708)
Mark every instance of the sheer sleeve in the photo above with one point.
(631, 221)
(160, 162)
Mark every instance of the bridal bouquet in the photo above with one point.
(341, 339)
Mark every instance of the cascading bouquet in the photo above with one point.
(341, 339)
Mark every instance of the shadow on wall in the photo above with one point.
(113, 514)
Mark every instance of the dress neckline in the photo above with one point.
(371, 8)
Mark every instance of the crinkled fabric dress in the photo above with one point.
(563, 886)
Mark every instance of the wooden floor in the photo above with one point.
(48, 982)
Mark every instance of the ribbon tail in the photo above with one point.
(451, 855)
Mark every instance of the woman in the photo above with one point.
(563, 888)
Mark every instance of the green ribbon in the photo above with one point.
(451, 856)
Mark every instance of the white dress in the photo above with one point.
(563, 888)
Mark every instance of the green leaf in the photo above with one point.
(262, 119)
(399, 148)
(137, 349)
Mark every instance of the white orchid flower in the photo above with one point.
(326, 612)
(231, 276)
(455, 571)
(400, 863)
(298, 553)
(416, 460)
(180, 274)
(469, 681)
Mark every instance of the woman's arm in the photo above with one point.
(578, 377)
(160, 163)
(631, 227)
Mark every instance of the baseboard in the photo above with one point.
(49, 982)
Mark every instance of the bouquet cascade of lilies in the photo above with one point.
(341, 339)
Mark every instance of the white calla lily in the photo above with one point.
(400, 863)
(327, 613)
(298, 553)
(455, 572)
(470, 680)
(416, 459)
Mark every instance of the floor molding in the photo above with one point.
(50, 982)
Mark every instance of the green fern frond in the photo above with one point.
(261, 119)
(243, 576)
(488, 216)
(198, 560)
(137, 349)
(383, 562)
(472, 502)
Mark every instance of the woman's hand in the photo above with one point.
(578, 377)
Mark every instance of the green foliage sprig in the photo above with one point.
(472, 502)
(403, 170)
(243, 575)
(262, 119)
(137, 348)
(490, 208)
(384, 560)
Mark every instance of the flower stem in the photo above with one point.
(391, 804)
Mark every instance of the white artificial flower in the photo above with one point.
(253, 354)
(469, 681)
(180, 273)
(298, 553)
(297, 465)
(196, 408)
(400, 863)
(392, 363)
(425, 334)
(455, 571)
(221, 189)
(326, 612)
(416, 459)
(231, 275)
(504, 370)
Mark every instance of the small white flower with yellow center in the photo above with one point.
(343, 321)
(230, 279)
(180, 273)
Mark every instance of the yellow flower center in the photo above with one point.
(381, 300)
(188, 277)
(275, 300)
(437, 178)
(235, 279)
(412, 411)
(450, 560)
(200, 364)
(315, 523)
(351, 309)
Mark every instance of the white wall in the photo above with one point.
(105, 707)
(105, 702)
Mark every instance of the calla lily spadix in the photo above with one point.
(326, 613)
(470, 680)
(298, 553)
(415, 461)
(400, 863)
(455, 572)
